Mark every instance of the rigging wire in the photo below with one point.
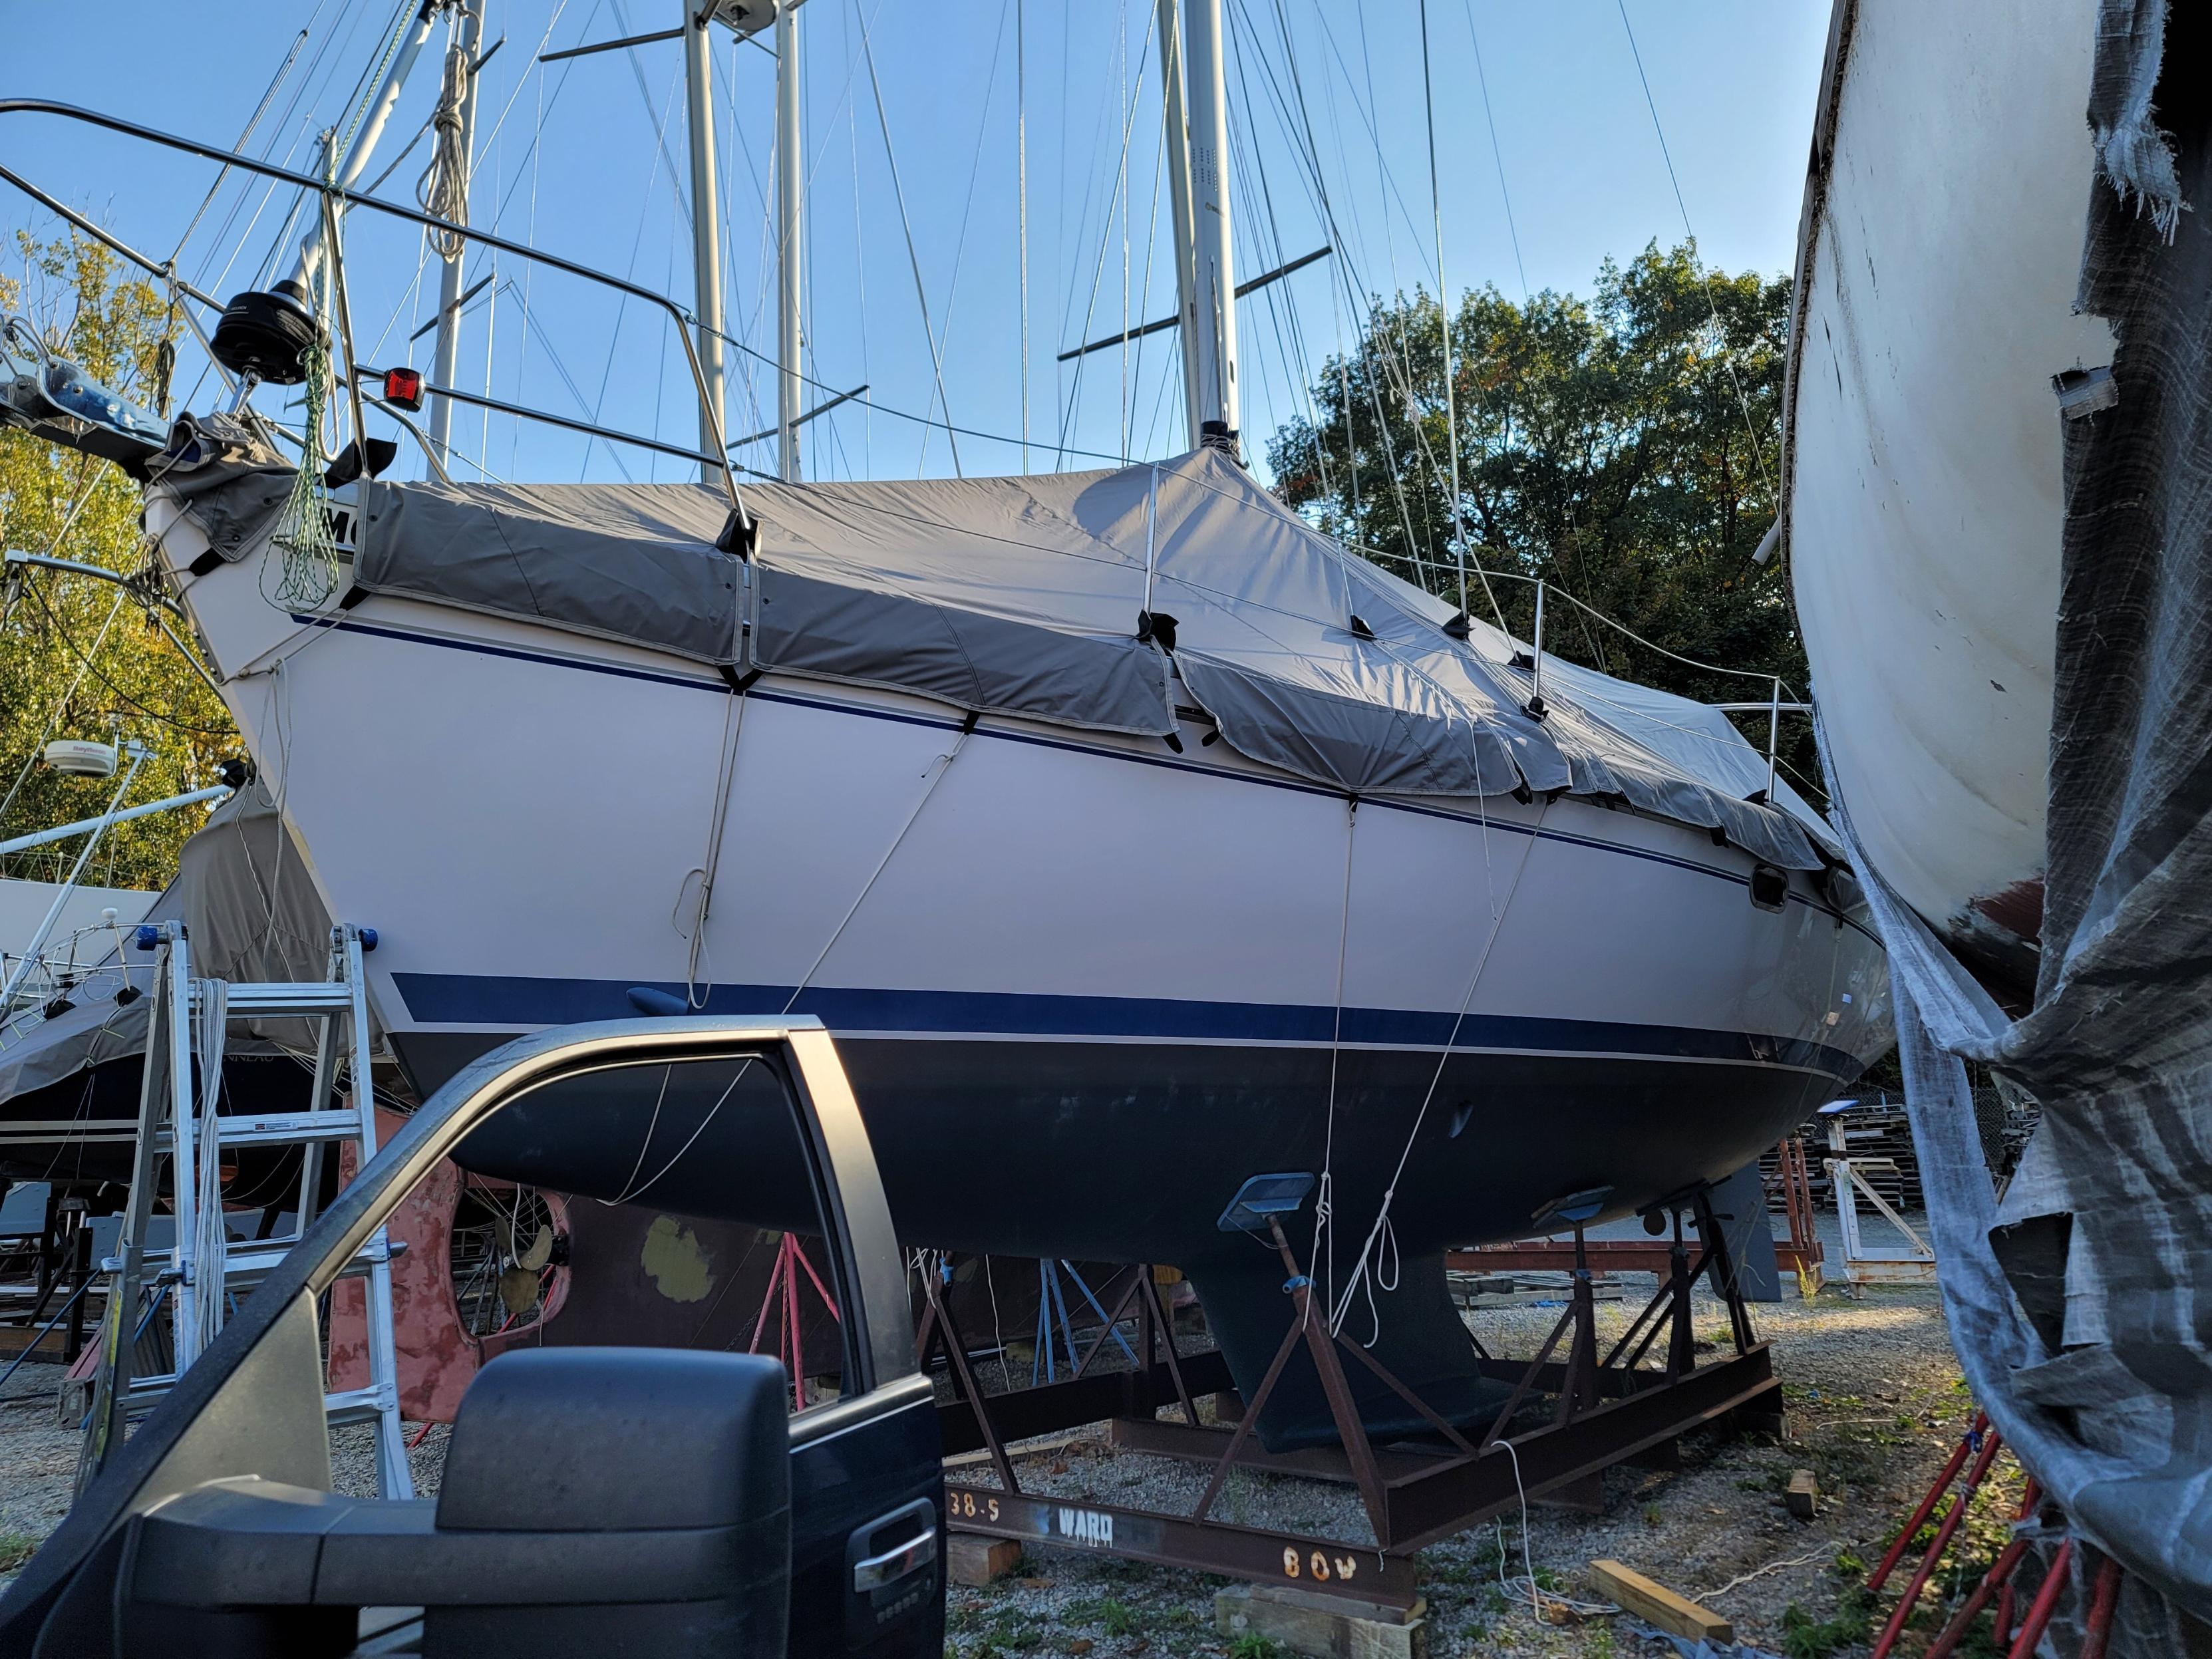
(1098, 266)
(1293, 353)
(1121, 57)
(975, 169)
(1309, 155)
(252, 121)
(914, 259)
(155, 714)
(300, 91)
(1720, 334)
(676, 186)
(1445, 322)
(61, 709)
(629, 271)
(1497, 155)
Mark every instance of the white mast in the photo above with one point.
(1213, 292)
(446, 363)
(706, 229)
(790, 205)
(1179, 196)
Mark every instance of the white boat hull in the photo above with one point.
(1053, 946)
(1937, 264)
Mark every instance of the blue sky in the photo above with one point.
(586, 159)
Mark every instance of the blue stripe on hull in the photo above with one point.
(512, 1001)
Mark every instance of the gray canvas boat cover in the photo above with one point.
(1034, 597)
(250, 914)
(2079, 1300)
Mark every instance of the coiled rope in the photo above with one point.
(443, 190)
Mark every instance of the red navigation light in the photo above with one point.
(403, 386)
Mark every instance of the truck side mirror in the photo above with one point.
(595, 1500)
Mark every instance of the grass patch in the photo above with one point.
(16, 1548)
(1804, 1636)
(1007, 1634)
(1253, 1645)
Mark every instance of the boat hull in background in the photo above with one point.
(1936, 267)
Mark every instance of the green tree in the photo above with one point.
(1604, 448)
(80, 658)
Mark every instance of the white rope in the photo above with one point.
(1806, 1560)
(1524, 1582)
(943, 765)
(1324, 1200)
(743, 1065)
(733, 724)
(1368, 1251)
(645, 1146)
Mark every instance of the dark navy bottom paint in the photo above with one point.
(1130, 1152)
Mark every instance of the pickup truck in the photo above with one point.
(620, 1500)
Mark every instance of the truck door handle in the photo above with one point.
(910, 1556)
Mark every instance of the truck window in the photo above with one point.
(678, 1206)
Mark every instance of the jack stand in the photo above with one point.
(1052, 1307)
(1681, 1339)
(1313, 1331)
(1586, 1495)
(1162, 1375)
(1601, 1412)
(783, 1292)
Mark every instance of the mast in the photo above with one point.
(1178, 130)
(445, 364)
(364, 142)
(1213, 288)
(790, 205)
(264, 333)
(706, 228)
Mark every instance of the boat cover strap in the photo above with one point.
(1028, 597)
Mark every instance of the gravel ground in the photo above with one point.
(38, 1464)
(1874, 1403)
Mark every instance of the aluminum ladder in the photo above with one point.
(178, 1120)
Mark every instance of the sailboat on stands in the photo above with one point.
(1131, 836)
